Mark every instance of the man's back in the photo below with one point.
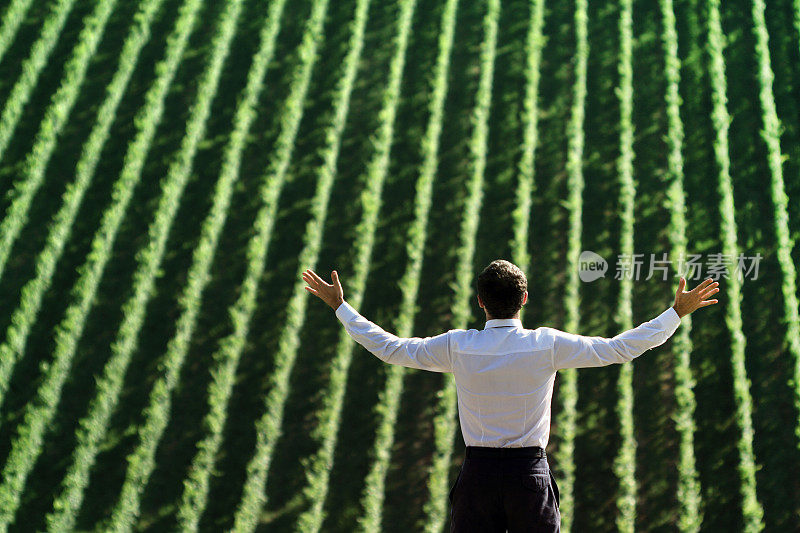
(504, 377)
(505, 373)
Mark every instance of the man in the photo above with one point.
(504, 378)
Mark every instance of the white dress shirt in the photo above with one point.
(505, 373)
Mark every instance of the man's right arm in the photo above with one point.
(429, 353)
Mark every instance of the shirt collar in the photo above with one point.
(501, 322)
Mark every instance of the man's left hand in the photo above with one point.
(331, 294)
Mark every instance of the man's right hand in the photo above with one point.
(330, 293)
(688, 301)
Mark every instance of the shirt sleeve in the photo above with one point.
(429, 353)
(578, 351)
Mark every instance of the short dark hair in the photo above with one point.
(501, 287)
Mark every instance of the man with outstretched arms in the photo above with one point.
(504, 377)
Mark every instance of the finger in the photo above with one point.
(705, 303)
(317, 278)
(312, 291)
(704, 284)
(709, 287)
(311, 281)
(314, 280)
(709, 292)
(681, 284)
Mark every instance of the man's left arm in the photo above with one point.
(429, 353)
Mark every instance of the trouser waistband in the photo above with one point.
(483, 451)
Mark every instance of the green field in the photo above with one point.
(170, 167)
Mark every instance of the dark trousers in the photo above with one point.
(505, 489)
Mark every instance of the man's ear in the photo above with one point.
(524, 297)
(480, 303)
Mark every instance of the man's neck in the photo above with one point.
(515, 317)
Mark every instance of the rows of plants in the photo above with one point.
(55, 118)
(769, 359)
(329, 416)
(149, 261)
(568, 390)
(625, 461)
(445, 419)
(194, 498)
(709, 371)
(633, 501)
(158, 412)
(12, 18)
(526, 186)
(373, 495)
(195, 495)
(688, 491)
(70, 497)
(26, 186)
(141, 462)
(32, 293)
(31, 69)
(40, 412)
(752, 510)
(771, 135)
(24, 316)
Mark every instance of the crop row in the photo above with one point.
(566, 420)
(158, 411)
(625, 461)
(47, 260)
(35, 165)
(197, 483)
(329, 415)
(752, 510)
(771, 134)
(54, 120)
(31, 68)
(796, 17)
(12, 19)
(688, 492)
(142, 461)
(40, 412)
(195, 493)
(445, 419)
(389, 402)
(249, 508)
(69, 331)
(521, 216)
(149, 260)
(251, 503)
